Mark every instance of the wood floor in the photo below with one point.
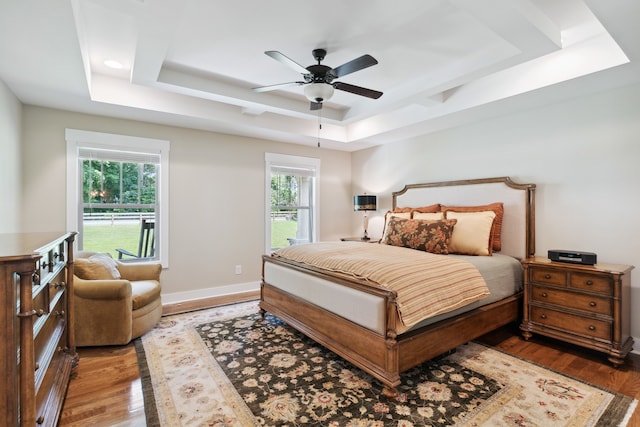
(107, 392)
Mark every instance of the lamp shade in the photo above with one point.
(318, 92)
(365, 202)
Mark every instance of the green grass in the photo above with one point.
(280, 231)
(106, 238)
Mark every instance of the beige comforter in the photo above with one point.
(426, 284)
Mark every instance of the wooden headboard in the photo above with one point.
(518, 227)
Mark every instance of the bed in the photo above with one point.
(365, 322)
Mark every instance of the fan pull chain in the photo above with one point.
(319, 125)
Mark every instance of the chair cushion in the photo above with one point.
(96, 267)
(144, 292)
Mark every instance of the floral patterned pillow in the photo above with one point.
(424, 235)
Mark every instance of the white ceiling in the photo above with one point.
(193, 63)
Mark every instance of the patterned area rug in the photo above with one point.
(228, 366)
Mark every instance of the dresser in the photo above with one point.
(587, 305)
(38, 351)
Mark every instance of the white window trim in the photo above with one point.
(81, 138)
(292, 161)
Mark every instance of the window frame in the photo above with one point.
(77, 139)
(297, 162)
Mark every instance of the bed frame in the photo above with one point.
(385, 356)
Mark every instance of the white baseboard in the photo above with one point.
(636, 346)
(179, 297)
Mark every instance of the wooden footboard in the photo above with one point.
(386, 357)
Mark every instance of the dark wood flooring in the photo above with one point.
(107, 392)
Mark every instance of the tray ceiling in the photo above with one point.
(193, 63)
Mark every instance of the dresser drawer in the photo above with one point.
(591, 283)
(583, 326)
(41, 299)
(578, 301)
(57, 285)
(549, 276)
(47, 340)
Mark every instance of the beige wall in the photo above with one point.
(216, 195)
(584, 156)
(10, 120)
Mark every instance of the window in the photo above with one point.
(114, 184)
(291, 200)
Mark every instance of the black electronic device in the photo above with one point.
(575, 257)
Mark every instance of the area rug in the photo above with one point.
(229, 366)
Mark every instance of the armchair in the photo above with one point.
(114, 302)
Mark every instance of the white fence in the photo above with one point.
(118, 216)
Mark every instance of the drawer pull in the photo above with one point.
(592, 328)
(547, 276)
(45, 265)
(589, 282)
(592, 304)
(60, 313)
(35, 279)
(40, 420)
(38, 313)
(543, 316)
(59, 285)
(544, 295)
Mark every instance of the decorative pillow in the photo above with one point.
(472, 234)
(428, 209)
(401, 210)
(96, 267)
(398, 213)
(423, 235)
(433, 216)
(497, 207)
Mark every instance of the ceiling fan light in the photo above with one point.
(318, 92)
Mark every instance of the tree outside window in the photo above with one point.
(291, 200)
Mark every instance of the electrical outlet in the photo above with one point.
(238, 269)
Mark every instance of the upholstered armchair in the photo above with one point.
(114, 302)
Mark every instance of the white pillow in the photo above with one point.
(472, 233)
(428, 215)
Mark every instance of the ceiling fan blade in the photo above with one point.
(352, 66)
(278, 86)
(362, 91)
(316, 106)
(287, 61)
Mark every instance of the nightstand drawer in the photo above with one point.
(592, 283)
(584, 302)
(549, 276)
(571, 323)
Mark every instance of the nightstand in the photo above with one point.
(587, 305)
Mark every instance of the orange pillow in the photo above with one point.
(428, 209)
(496, 228)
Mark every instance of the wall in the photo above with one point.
(216, 196)
(10, 118)
(583, 155)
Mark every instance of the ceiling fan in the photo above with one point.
(320, 78)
